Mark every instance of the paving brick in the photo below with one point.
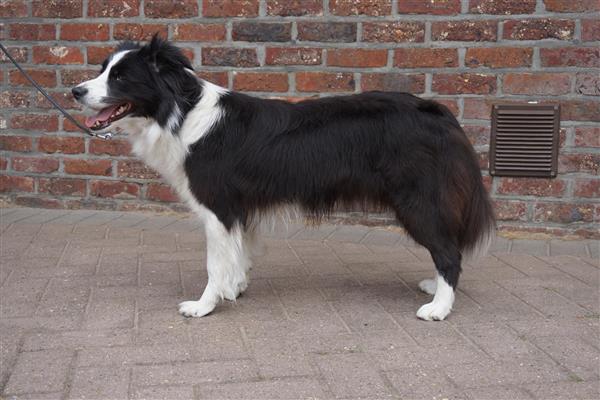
(578, 356)
(110, 313)
(271, 389)
(497, 392)
(194, 373)
(99, 383)
(565, 390)
(422, 382)
(491, 373)
(77, 339)
(347, 376)
(163, 392)
(40, 371)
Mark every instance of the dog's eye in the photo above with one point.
(116, 76)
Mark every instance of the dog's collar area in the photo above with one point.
(105, 136)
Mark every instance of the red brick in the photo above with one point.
(587, 136)
(90, 32)
(536, 29)
(537, 83)
(327, 31)
(451, 104)
(475, 108)
(160, 192)
(73, 77)
(293, 56)
(47, 123)
(434, 7)
(113, 147)
(58, 8)
(127, 31)
(113, 8)
(230, 8)
(374, 8)
(229, 56)
(32, 32)
(563, 212)
(13, 99)
(61, 144)
(478, 135)
(68, 126)
(589, 188)
(15, 143)
(510, 210)
(579, 162)
(502, 6)
(199, 32)
(288, 8)
(412, 83)
(570, 57)
(171, 8)
(425, 58)
(464, 83)
(531, 186)
(38, 202)
(3, 163)
(580, 110)
(13, 8)
(590, 29)
(217, 77)
(393, 31)
(16, 183)
(324, 82)
(572, 6)
(498, 57)
(88, 167)
(135, 169)
(97, 54)
(35, 164)
(57, 55)
(44, 77)
(249, 31)
(587, 83)
(363, 58)
(65, 99)
(62, 186)
(19, 54)
(115, 190)
(260, 81)
(468, 31)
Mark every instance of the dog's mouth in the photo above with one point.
(107, 116)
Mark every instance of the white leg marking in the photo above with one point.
(442, 302)
(227, 264)
(428, 286)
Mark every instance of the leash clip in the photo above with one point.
(105, 136)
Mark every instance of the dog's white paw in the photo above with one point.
(434, 311)
(195, 308)
(428, 286)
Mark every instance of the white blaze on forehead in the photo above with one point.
(98, 87)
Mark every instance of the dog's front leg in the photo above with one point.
(227, 265)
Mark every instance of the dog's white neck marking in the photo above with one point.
(165, 151)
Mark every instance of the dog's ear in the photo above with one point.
(161, 54)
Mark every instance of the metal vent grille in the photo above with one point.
(524, 140)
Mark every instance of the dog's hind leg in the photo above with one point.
(227, 262)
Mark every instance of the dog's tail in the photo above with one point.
(479, 224)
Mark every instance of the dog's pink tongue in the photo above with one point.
(103, 115)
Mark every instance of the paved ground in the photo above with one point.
(88, 310)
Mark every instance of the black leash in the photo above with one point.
(85, 129)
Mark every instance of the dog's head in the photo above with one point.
(153, 81)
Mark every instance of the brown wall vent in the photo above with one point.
(524, 140)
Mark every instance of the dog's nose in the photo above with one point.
(79, 92)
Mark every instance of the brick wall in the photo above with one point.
(467, 54)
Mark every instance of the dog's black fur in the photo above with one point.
(389, 149)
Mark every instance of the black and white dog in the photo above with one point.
(233, 159)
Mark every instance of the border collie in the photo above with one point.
(233, 159)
